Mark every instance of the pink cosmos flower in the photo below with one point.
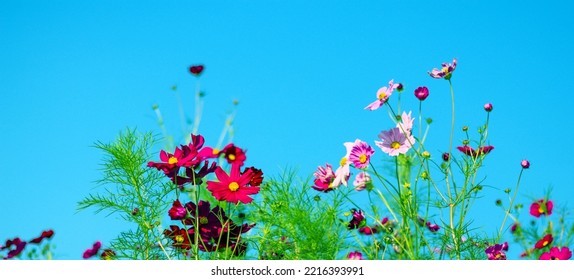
(324, 177)
(394, 142)
(445, 72)
(497, 251)
(361, 154)
(545, 241)
(541, 207)
(355, 256)
(344, 171)
(557, 254)
(406, 123)
(362, 181)
(422, 93)
(233, 187)
(177, 211)
(383, 95)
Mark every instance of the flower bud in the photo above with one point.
(525, 164)
(488, 107)
(421, 93)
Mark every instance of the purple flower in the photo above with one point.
(422, 93)
(445, 72)
(355, 256)
(497, 251)
(394, 142)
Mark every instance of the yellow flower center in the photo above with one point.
(215, 151)
(445, 70)
(233, 186)
(231, 157)
(395, 145)
(203, 220)
(179, 239)
(363, 158)
(382, 95)
(172, 160)
(541, 210)
(544, 243)
(343, 161)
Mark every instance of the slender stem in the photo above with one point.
(510, 206)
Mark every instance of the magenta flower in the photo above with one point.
(324, 177)
(432, 227)
(394, 142)
(90, 252)
(358, 219)
(469, 151)
(445, 72)
(488, 107)
(422, 93)
(544, 242)
(541, 207)
(177, 211)
(525, 164)
(18, 245)
(383, 95)
(355, 256)
(196, 69)
(362, 181)
(497, 251)
(233, 187)
(361, 154)
(557, 254)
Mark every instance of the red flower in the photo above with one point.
(177, 211)
(179, 236)
(18, 244)
(233, 187)
(557, 254)
(541, 207)
(196, 69)
(45, 234)
(545, 241)
(256, 176)
(234, 154)
(469, 151)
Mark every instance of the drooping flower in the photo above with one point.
(469, 151)
(361, 153)
(358, 219)
(233, 187)
(363, 181)
(445, 72)
(541, 207)
(196, 69)
(497, 251)
(90, 252)
(177, 211)
(406, 124)
(421, 93)
(544, 242)
(355, 256)
(324, 177)
(525, 164)
(395, 142)
(556, 254)
(383, 95)
(45, 235)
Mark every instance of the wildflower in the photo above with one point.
(177, 211)
(256, 176)
(324, 177)
(488, 107)
(557, 254)
(361, 154)
(406, 123)
(545, 241)
(383, 95)
(233, 187)
(179, 236)
(355, 256)
(90, 252)
(234, 154)
(171, 163)
(525, 164)
(541, 207)
(45, 234)
(432, 227)
(196, 69)
(108, 254)
(445, 156)
(363, 181)
(18, 244)
(475, 153)
(368, 230)
(445, 72)
(343, 172)
(422, 93)
(358, 219)
(497, 251)
(394, 142)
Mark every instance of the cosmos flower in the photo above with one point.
(233, 187)
(343, 172)
(445, 72)
(557, 254)
(362, 181)
(469, 151)
(196, 69)
(324, 177)
(394, 142)
(234, 154)
(544, 242)
(421, 93)
(90, 252)
(45, 235)
(541, 207)
(497, 251)
(406, 124)
(355, 256)
(358, 219)
(177, 211)
(361, 154)
(383, 95)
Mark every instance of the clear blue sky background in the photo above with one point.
(76, 72)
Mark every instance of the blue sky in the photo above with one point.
(73, 73)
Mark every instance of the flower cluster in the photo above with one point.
(16, 246)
